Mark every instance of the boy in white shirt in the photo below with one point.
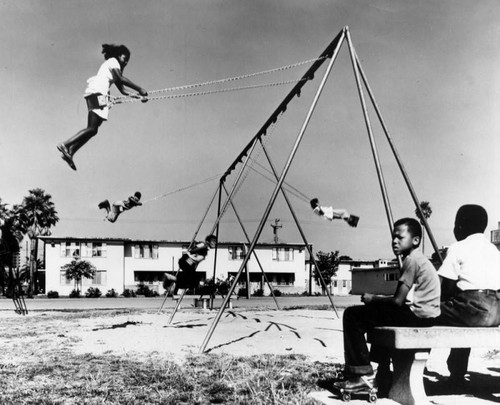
(470, 282)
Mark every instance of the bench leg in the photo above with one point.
(408, 379)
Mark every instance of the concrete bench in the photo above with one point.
(410, 349)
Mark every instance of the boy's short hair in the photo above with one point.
(138, 195)
(413, 226)
(472, 218)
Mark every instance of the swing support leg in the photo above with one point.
(275, 192)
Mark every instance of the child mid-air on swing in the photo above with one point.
(96, 94)
(189, 261)
(331, 213)
(114, 211)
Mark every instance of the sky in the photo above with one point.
(432, 66)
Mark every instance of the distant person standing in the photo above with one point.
(96, 94)
(470, 282)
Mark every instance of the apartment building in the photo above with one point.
(125, 263)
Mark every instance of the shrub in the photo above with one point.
(93, 293)
(277, 293)
(146, 291)
(143, 290)
(242, 292)
(112, 293)
(258, 293)
(128, 293)
(74, 294)
(52, 294)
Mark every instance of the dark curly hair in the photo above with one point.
(113, 51)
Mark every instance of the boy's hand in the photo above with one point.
(367, 298)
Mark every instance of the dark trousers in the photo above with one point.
(187, 277)
(358, 320)
(468, 308)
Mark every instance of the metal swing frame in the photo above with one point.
(331, 53)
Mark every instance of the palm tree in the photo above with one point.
(11, 235)
(426, 212)
(77, 270)
(38, 214)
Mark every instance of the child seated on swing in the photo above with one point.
(186, 275)
(331, 213)
(114, 211)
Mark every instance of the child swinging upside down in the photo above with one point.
(114, 211)
(331, 213)
(189, 261)
(96, 94)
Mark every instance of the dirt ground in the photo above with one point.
(316, 334)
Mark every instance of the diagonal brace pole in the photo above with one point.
(308, 247)
(255, 254)
(373, 146)
(398, 160)
(276, 189)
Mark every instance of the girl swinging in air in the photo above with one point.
(96, 94)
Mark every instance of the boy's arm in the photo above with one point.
(200, 247)
(397, 299)
(448, 288)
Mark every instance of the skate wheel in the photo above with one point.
(346, 397)
(372, 398)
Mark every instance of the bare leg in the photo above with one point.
(169, 282)
(83, 136)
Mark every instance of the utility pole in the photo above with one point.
(275, 229)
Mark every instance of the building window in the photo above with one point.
(84, 249)
(100, 278)
(390, 276)
(70, 249)
(146, 251)
(63, 280)
(148, 277)
(283, 254)
(236, 253)
(99, 250)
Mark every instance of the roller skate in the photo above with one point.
(357, 386)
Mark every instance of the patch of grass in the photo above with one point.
(203, 379)
(37, 366)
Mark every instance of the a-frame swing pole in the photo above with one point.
(276, 190)
(299, 227)
(398, 160)
(373, 146)
(212, 297)
(255, 254)
(179, 300)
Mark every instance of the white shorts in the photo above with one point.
(98, 104)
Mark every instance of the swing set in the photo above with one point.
(246, 159)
